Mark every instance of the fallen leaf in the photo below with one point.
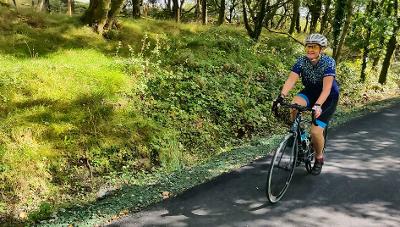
(166, 194)
(123, 212)
(23, 215)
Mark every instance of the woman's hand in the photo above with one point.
(317, 110)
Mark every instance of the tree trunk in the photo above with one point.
(101, 14)
(296, 10)
(116, 6)
(315, 10)
(378, 15)
(40, 6)
(101, 17)
(270, 13)
(175, 9)
(69, 7)
(169, 5)
(365, 54)
(369, 9)
(271, 22)
(325, 16)
(221, 16)
(197, 9)
(136, 8)
(246, 20)
(391, 46)
(298, 27)
(182, 3)
(258, 24)
(47, 6)
(231, 9)
(386, 62)
(282, 20)
(44, 5)
(345, 29)
(260, 18)
(307, 19)
(204, 18)
(337, 23)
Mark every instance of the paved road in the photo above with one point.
(359, 186)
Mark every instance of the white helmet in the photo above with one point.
(317, 38)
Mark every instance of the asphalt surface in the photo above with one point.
(359, 186)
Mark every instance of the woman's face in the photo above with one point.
(313, 51)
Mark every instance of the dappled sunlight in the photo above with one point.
(202, 212)
(307, 202)
(390, 115)
(372, 147)
(27, 34)
(348, 145)
(359, 185)
(353, 169)
(296, 209)
(378, 210)
(364, 214)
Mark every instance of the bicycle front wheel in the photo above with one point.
(282, 168)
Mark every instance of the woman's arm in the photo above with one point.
(289, 84)
(326, 89)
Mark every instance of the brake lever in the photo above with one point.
(313, 119)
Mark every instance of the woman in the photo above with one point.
(321, 91)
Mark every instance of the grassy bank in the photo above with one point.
(139, 112)
(146, 189)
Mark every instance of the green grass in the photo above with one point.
(37, 35)
(54, 111)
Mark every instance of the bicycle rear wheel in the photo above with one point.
(282, 168)
(308, 160)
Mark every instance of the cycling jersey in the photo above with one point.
(312, 78)
(312, 75)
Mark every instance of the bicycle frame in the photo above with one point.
(296, 129)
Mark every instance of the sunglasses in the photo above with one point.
(312, 47)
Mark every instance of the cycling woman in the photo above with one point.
(321, 91)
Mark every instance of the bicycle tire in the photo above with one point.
(277, 184)
(309, 158)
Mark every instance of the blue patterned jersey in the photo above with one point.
(312, 75)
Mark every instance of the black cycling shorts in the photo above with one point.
(328, 108)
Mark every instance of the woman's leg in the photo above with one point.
(299, 99)
(318, 140)
(317, 133)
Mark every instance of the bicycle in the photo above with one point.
(295, 149)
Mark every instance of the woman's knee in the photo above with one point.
(300, 101)
(316, 131)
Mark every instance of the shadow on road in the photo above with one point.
(359, 185)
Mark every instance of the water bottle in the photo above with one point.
(303, 136)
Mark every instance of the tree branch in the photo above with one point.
(188, 11)
(285, 33)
